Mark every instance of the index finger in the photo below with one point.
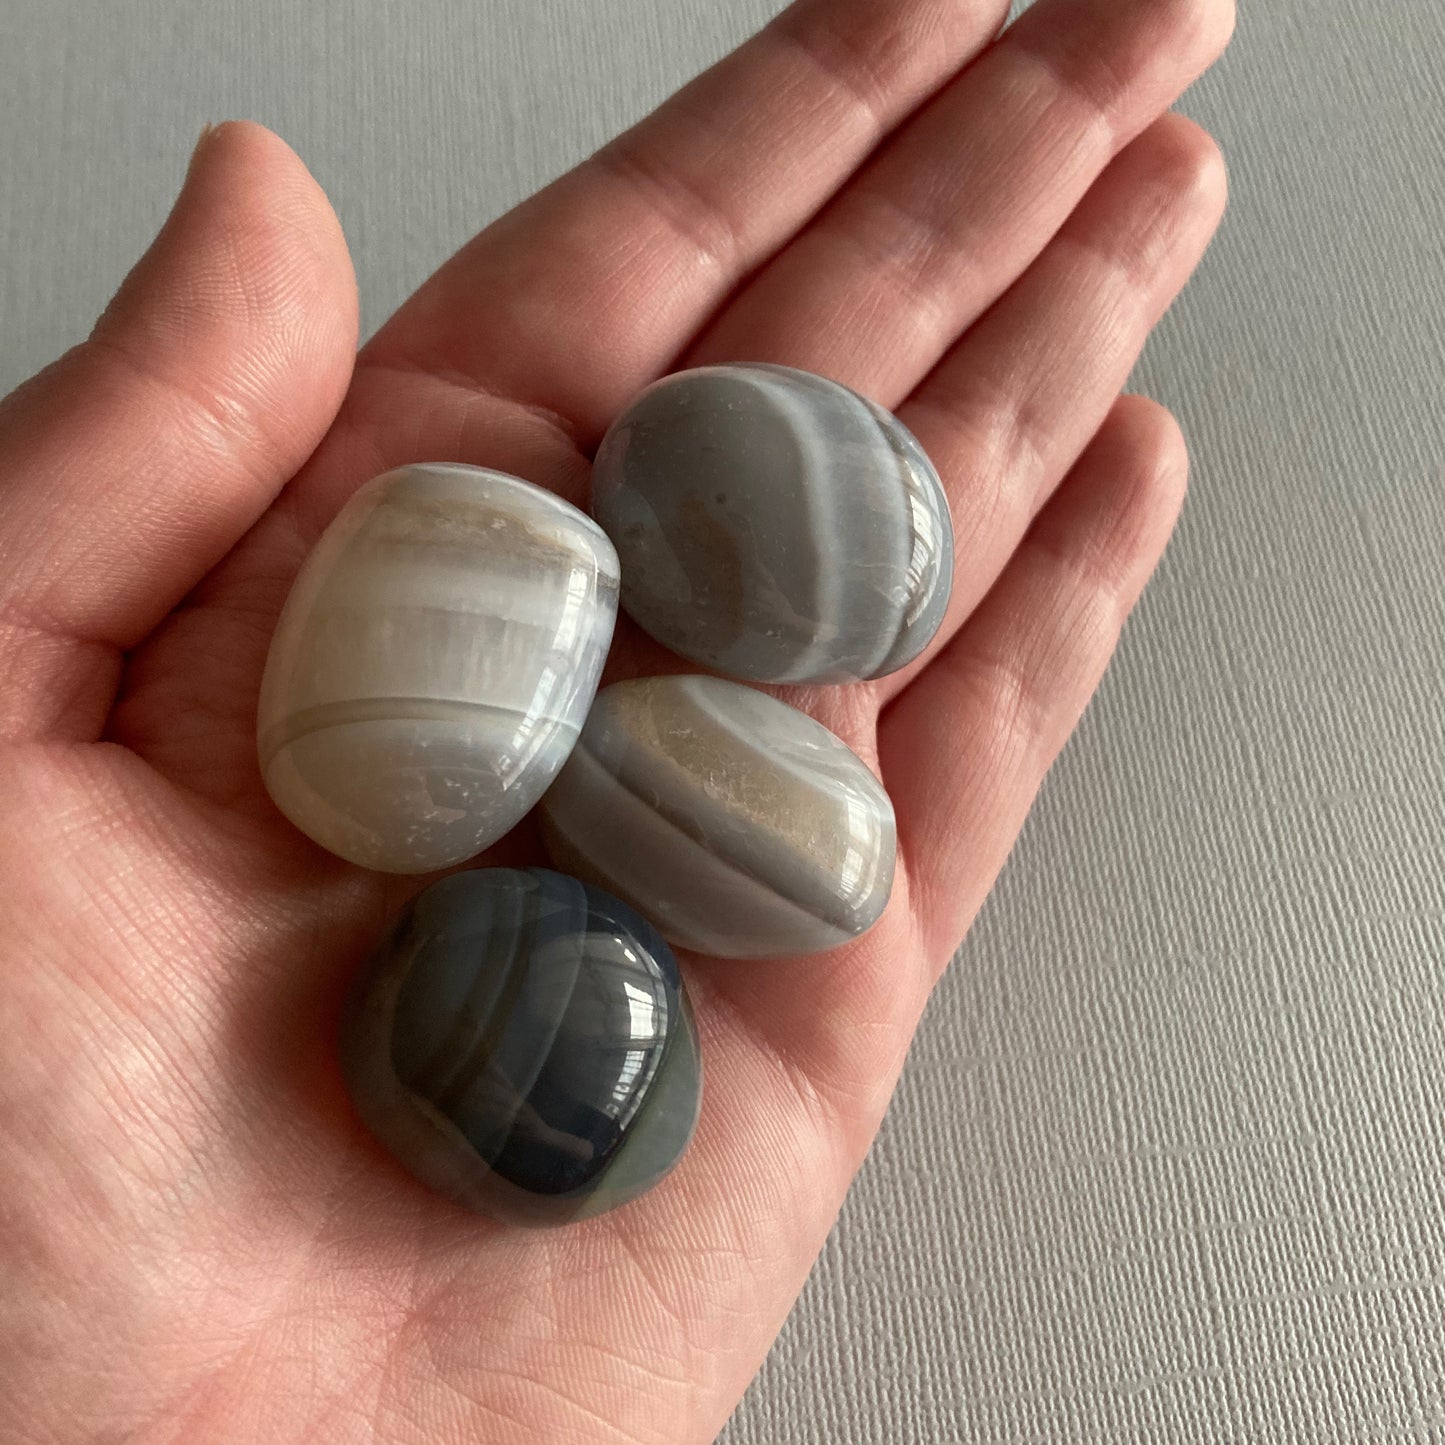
(587, 291)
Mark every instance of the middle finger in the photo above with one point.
(952, 210)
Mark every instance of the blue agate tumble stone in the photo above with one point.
(522, 1043)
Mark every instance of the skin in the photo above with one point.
(199, 1243)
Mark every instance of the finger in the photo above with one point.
(1009, 410)
(587, 291)
(965, 748)
(135, 462)
(963, 198)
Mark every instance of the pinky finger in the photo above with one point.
(965, 746)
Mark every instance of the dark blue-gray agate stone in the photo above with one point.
(774, 525)
(522, 1043)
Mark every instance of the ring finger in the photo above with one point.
(1010, 409)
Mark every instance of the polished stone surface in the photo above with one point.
(740, 826)
(522, 1043)
(433, 665)
(775, 526)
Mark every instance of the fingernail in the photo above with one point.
(207, 131)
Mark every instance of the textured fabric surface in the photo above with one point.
(1167, 1161)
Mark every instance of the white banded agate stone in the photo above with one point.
(738, 825)
(433, 664)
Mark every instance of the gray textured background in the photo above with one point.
(1166, 1165)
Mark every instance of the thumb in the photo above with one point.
(130, 466)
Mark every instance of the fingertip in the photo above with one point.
(1203, 27)
(1124, 495)
(1157, 448)
(1190, 158)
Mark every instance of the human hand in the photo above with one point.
(200, 1244)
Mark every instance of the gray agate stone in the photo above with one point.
(739, 825)
(522, 1043)
(775, 526)
(433, 665)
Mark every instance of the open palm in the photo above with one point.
(199, 1242)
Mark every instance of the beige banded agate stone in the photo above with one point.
(740, 826)
(433, 665)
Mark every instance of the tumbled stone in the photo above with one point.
(433, 665)
(522, 1043)
(740, 826)
(774, 525)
